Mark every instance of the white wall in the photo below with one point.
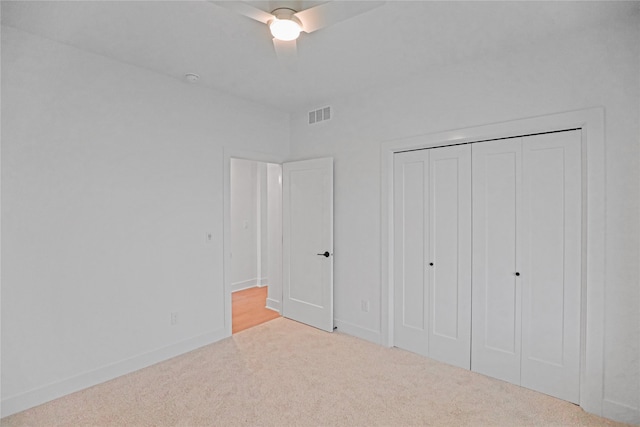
(262, 201)
(274, 236)
(249, 226)
(244, 224)
(111, 178)
(596, 67)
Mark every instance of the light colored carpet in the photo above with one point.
(286, 373)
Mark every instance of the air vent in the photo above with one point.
(319, 115)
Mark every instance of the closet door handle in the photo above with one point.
(325, 254)
(517, 273)
(431, 264)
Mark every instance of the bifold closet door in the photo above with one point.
(432, 248)
(527, 226)
(497, 189)
(551, 267)
(450, 254)
(411, 237)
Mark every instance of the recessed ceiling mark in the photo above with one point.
(191, 77)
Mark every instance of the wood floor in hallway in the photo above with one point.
(249, 309)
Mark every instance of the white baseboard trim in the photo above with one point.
(245, 284)
(274, 305)
(263, 281)
(357, 331)
(46, 393)
(620, 412)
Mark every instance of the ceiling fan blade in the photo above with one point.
(286, 52)
(332, 12)
(244, 9)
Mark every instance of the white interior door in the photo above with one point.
(551, 271)
(432, 252)
(308, 242)
(496, 311)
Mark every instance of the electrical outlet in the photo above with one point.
(174, 318)
(364, 304)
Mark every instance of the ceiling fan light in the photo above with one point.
(285, 29)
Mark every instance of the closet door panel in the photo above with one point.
(450, 250)
(411, 231)
(551, 275)
(496, 292)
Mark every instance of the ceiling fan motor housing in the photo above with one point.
(285, 26)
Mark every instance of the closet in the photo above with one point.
(487, 258)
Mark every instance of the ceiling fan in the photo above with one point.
(286, 23)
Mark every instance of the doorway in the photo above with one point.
(300, 185)
(255, 242)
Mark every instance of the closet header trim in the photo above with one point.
(487, 140)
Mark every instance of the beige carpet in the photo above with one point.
(285, 373)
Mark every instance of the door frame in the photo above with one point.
(228, 154)
(591, 122)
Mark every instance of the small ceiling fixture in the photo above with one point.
(285, 26)
(192, 77)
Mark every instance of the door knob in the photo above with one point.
(517, 273)
(431, 264)
(325, 254)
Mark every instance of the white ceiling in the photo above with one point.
(387, 45)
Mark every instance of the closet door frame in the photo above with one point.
(591, 124)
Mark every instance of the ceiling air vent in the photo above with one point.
(319, 115)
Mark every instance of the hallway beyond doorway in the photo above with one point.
(249, 308)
